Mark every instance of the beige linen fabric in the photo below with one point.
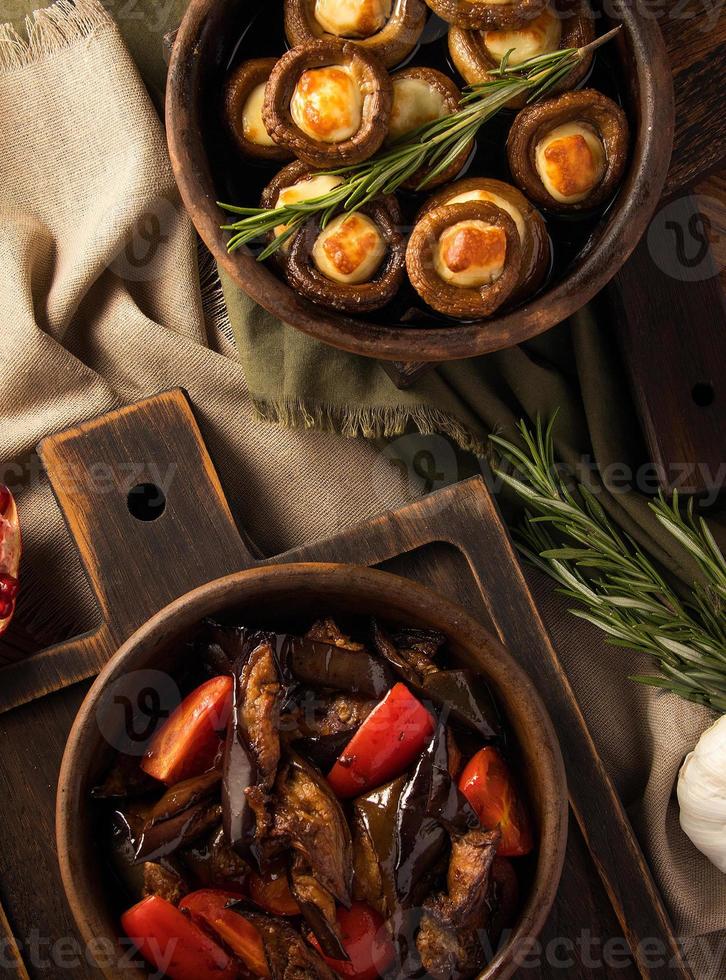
(87, 325)
(100, 305)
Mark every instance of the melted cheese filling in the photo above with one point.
(352, 18)
(514, 213)
(471, 253)
(540, 36)
(304, 190)
(327, 105)
(570, 161)
(252, 125)
(415, 102)
(350, 249)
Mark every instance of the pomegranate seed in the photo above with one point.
(4, 499)
(8, 594)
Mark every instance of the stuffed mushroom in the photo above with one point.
(569, 153)
(390, 29)
(244, 95)
(329, 102)
(420, 96)
(294, 183)
(355, 263)
(490, 14)
(562, 24)
(534, 240)
(464, 259)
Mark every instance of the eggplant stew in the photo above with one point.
(319, 806)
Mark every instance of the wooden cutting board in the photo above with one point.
(453, 541)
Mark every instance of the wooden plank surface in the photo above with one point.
(453, 541)
(669, 300)
(695, 35)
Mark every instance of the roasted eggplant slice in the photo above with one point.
(252, 749)
(182, 796)
(324, 657)
(309, 818)
(288, 955)
(214, 864)
(449, 940)
(466, 697)
(430, 802)
(169, 836)
(317, 906)
(460, 693)
(166, 881)
(374, 846)
(323, 750)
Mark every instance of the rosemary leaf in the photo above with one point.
(568, 535)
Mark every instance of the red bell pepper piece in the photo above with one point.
(10, 551)
(366, 941)
(174, 945)
(272, 893)
(488, 785)
(207, 908)
(187, 743)
(390, 738)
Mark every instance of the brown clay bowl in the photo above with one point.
(303, 590)
(202, 52)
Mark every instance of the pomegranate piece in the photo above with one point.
(10, 550)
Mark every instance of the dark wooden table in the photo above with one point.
(669, 301)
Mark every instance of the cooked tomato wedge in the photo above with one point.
(387, 742)
(488, 785)
(366, 942)
(207, 909)
(174, 945)
(187, 743)
(10, 550)
(272, 893)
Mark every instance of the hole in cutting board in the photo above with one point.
(703, 394)
(146, 502)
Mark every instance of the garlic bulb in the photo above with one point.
(702, 794)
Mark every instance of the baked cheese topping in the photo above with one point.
(570, 161)
(352, 18)
(539, 36)
(415, 102)
(304, 190)
(327, 104)
(252, 124)
(350, 249)
(481, 195)
(471, 253)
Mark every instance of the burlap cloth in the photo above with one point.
(87, 325)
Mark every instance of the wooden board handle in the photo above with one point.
(144, 504)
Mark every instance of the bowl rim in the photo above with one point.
(624, 222)
(181, 614)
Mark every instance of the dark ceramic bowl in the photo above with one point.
(588, 252)
(301, 590)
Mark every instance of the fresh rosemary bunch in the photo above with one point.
(434, 146)
(568, 535)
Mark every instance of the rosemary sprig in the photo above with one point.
(434, 146)
(569, 537)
